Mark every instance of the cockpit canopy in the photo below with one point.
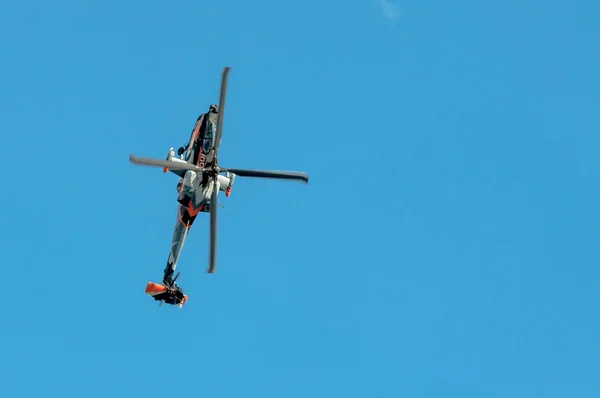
(209, 135)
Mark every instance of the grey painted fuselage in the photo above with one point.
(194, 191)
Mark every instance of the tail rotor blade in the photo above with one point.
(284, 175)
(212, 249)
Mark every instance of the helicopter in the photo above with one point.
(200, 181)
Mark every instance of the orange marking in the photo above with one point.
(190, 211)
(201, 157)
(181, 219)
(185, 297)
(196, 129)
(154, 288)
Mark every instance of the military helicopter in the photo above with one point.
(200, 180)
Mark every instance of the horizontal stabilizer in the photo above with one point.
(161, 293)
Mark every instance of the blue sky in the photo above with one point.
(446, 245)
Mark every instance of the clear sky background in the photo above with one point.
(446, 245)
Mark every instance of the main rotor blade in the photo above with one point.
(285, 175)
(221, 114)
(212, 248)
(163, 163)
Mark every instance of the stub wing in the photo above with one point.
(161, 293)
